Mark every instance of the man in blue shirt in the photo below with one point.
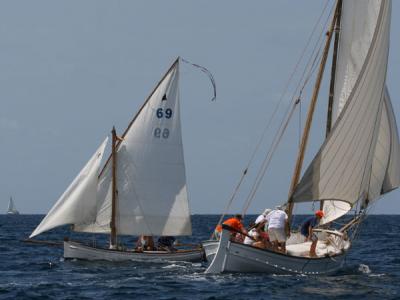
(307, 230)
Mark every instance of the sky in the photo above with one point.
(70, 70)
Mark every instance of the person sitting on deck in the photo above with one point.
(145, 243)
(166, 243)
(236, 224)
(278, 229)
(307, 230)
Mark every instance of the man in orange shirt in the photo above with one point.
(235, 223)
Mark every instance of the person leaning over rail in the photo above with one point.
(307, 230)
(236, 224)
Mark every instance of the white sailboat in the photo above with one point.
(12, 210)
(358, 162)
(141, 190)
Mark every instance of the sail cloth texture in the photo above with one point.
(342, 169)
(77, 205)
(151, 182)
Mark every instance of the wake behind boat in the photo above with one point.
(141, 190)
(357, 163)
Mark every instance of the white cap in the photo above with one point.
(267, 211)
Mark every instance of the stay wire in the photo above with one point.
(244, 173)
(312, 63)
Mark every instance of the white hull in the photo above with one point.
(210, 248)
(12, 213)
(236, 257)
(80, 251)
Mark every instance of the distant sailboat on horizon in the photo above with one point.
(11, 208)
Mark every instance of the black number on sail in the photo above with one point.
(160, 113)
(165, 133)
(168, 113)
(158, 133)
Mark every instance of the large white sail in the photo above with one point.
(152, 197)
(78, 204)
(342, 169)
(392, 175)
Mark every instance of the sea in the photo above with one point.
(29, 271)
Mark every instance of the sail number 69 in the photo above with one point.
(161, 113)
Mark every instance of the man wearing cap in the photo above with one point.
(263, 217)
(307, 230)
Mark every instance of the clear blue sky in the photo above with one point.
(70, 70)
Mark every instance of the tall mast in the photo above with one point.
(311, 109)
(333, 75)
(113, 237)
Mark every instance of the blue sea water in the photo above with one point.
(27, 271)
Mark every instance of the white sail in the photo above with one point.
(11, 207)
(152, 197)
(358, 23)
(342, 169)
(392, 175)
(78, 204)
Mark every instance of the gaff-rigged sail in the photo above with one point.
(77, 205)
(151, 182)
(344, 169)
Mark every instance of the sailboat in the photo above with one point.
(140, 190)
(11, 208)
(359, 160)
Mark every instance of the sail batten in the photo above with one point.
(351, 164)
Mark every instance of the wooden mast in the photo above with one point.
(311, 109)
(113, 237)
(333, 75)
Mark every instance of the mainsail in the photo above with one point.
(77, 205)
(359, 153)
(151, 182)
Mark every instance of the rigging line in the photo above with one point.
(265, 164)
(267, 160)
(209, 75)
(286, 88)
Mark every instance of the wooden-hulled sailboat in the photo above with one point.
(358, 162)
(12, 210)
(141, 189)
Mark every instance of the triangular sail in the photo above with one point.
(11, 207)
(152, 197)
(342, 169)
(77, 205)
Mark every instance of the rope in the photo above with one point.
(272, 117)
(209, 75)
(307, 75)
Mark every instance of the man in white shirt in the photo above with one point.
(277, 228)
(263, 216)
